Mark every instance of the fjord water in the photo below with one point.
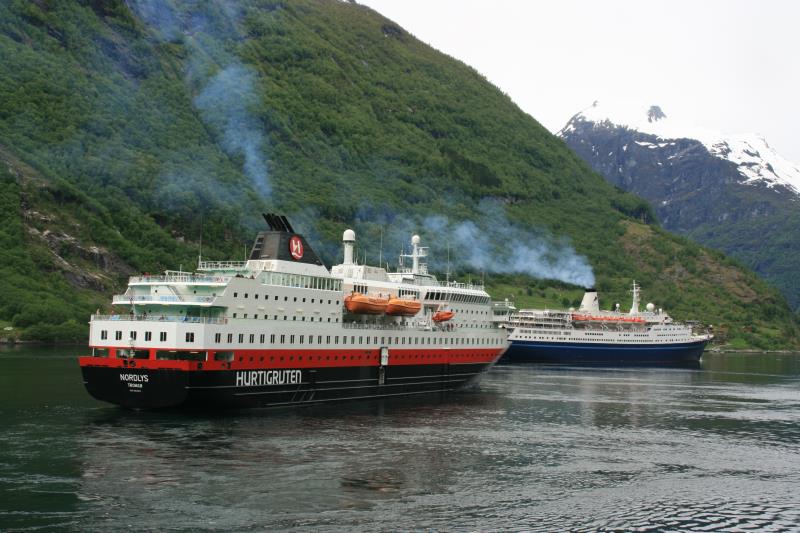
(533, 448)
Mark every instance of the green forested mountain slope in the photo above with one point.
(128, 128)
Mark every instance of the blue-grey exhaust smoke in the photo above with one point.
(227, 98)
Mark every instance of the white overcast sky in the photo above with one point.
(731, 65)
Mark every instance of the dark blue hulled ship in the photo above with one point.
(591, 336)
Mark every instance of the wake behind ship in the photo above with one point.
(281, 329)
(592, 336)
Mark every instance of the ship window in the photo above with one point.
(223, 356)
(234, 315)
(319, 339)
(274, 317)
(241, 337)
(245, 295)
(352, 339)
(295, 298)
(104, 334)
(118, 335)
(148, 335)
(304, 300)
(255, 316)
(189, 336)
(230, 337)
(252, 338)
(285, 298)
(302, 338)
(360, 340)
(218, 337)
(311, 339)
(344, 339)
(335, 339)
(272, 338)
(235, 294)
(283, 339)
(245, 315)
(291, 339)
(162, 336)
(261, 338)
(294, 317)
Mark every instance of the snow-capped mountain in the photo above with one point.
(754, 158)
(731, 192)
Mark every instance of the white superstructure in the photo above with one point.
(589, 325)
(250, 309)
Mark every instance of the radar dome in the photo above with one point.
(349, 235)
(650, 307)
(415, 239)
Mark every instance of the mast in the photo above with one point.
(635, 303)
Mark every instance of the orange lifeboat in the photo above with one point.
(365, 305)
(401, 307)
(443, 316)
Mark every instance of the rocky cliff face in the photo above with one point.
(733, 193)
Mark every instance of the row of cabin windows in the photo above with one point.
(148, 335)
(309, 339)
(286, 298)
(285, 317)
(456, 297)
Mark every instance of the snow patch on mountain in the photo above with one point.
(757, 162)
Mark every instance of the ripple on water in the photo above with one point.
(534, 449)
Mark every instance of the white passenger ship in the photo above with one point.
(592, 336)
(281, 329)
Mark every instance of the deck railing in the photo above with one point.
(162, 318)
(222, 265)
(125, 299)
(200, 279)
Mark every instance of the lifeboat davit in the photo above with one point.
(443, 316)
(401, 307)
(365, 305)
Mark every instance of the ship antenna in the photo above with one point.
(200, 251)
(447, 274)
(380, 250)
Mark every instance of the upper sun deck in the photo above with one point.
(177, 277)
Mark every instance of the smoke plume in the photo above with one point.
(490, 242)
(228, 91)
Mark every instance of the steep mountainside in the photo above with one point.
(733, 193)
(128, 129)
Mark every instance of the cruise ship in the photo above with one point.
(591, 336)
(282, 329)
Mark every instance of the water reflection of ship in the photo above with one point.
(376, 449)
